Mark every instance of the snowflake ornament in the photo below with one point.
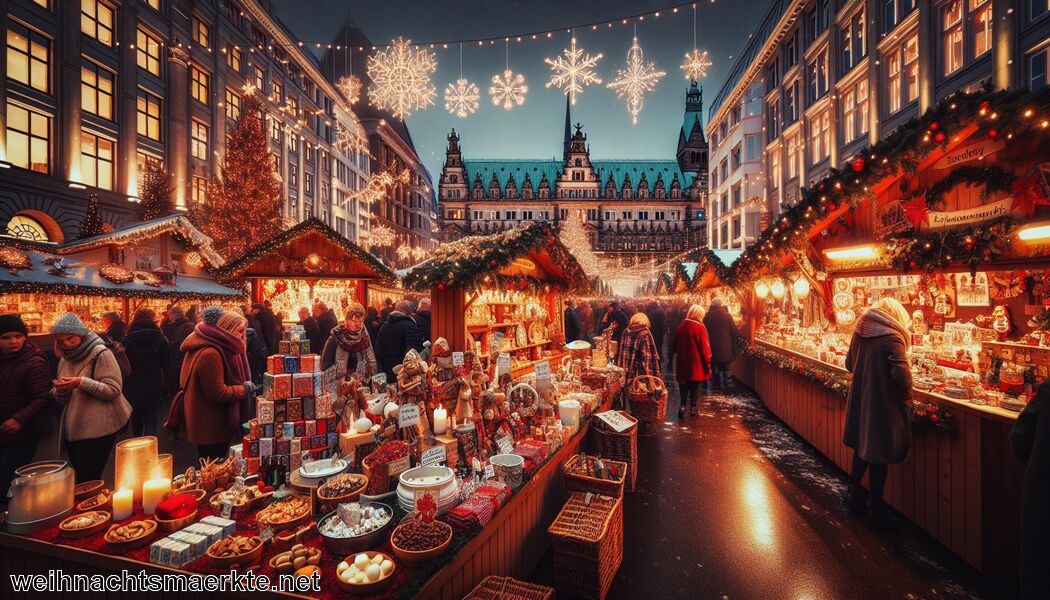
(461, 98)
(636, 80)
(352, 140)
(381, 235)
(696, 64)
(401, 78)
(351, 88)
(404, 252)
(508, 90)
(574, 70)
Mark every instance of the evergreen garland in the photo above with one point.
(156, 191)
(973, 245)
(92, 224)
(825, 376)
(993, 178)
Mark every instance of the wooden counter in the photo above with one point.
(963, 488)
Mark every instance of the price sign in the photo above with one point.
(543, 370)
(474, 462)
(266, 534)
(227, 509)
(505, 445)
(490, 473)
(503, 363)
(379, 381)
(457, 359)
(433, 456)
(408, 415)
(398, 467)
(614, 419)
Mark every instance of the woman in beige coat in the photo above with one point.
(89, 388)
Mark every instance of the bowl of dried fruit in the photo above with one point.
(84, 524)
(83, 491)
(235, 550)
(101, 501)
(130, 535)
(415, 540)
(299, 556)
(341, 489)
(285, 513)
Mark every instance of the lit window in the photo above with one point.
(792, 152)
(28, 57)
(855, 111)
(278, 92)
(308, 183)
(820, 137)
(854, 47)
(96, 90)
(199, 190)
(154, 4)
(199, 140)
(953, 37)
(911, 68)
(96, 160)
(233, 104)
(200, 32)
(28, 139)
(148, 115)
(981, 11)
(26, 228)
(894, 67)
(774, 168)
(233, 58)
(293, 175)
(275, 130)
(147, 52)
(199, 84)
(293, 143)
(96, 20)
(44, 3)
(260, 76)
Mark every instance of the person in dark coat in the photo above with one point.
(615, 318)
(693, 358)
(255, 348)
(388, 307)
(175, 330)
(586, 317)
(313, 330)
(572, 322)
(676, 313)
(326, 322)
(148, 352)
(422, 316)
(373, 322)
(1030, 442)
(25, 396)
(397, 336)
(722, 331)
(658, 318)
(115, 326)
(267, 326)
(877, 404)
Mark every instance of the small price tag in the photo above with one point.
(474, 462)
(266, 534)
(503, 362)
(490, 473)
(615, 420)
(227, 510)
(433, 456)
(457, 359)
(379, 381)
(505, 445)
(543, 370)
(408, 415)
(398, 467)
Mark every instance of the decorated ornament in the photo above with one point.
(1000, 321)
(351, 88)
(351, 140)
(116, 273)
(696, 64)
(461, 98)
(637, 79)
(858, 164)
(508, 90)
(573, 71)
(401, 78)
(381, 235)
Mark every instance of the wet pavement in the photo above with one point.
(732, 504)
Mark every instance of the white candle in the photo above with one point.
(123, 500)
(152, 493)
(569, 410)
(440, 421)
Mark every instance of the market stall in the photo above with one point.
(307, 263)
(152, 264)
(947, 215)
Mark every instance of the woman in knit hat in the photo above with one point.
(25, 395)
(147, 351)
(90, 388)
(216, 381)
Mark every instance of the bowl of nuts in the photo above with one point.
(84, 524)
(292, 560)
(355, 527)
(416, 540)
(235, 550)
(130, 535)
(285, 513)
(341, 488)
(101, 501)
(83, 491)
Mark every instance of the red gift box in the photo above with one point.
(311, 427)
(275, 364)
(253, 466)
(321, 427)
(302, 385)
(282, 386)
(282, 446)
(280, 411)
(300, 428)
(249, 447)
(295, 409)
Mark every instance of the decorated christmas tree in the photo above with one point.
(155, 192)
(244, 204)
(92, 224)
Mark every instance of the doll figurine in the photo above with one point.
(918, 323)
(411, 375)
(999, 321)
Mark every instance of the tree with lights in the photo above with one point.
(92, 224)
(244, 204)
(155, 192)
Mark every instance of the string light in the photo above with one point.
(696, 62)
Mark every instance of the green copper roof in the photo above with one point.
(603, 168)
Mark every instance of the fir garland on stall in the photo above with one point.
(929, 412)
(973, 245)
(993, 178)
(827, 377)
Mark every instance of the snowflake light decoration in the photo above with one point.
(508, 90)
(351, 88)
(461, 98)
(574, 70)
(401, 78)
(696, 64)
(381, 235)
(404, 252)
(351, 140)
(636, 80)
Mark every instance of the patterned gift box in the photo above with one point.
(309, 408)
(297, 460)
(332, 423)
(269, 380)
(264, 412)
(297, 445)
(309, 363)
(282, 387)
(333, 440)
(323, 407)
(282, 446)
(291, 364)
(304, 347)
(267, 430)
(275, 364)
(300, 428)
(253, 466)
(249, 447)
(280, 411)
(254, 429)
(285, 460)
(284, 347)
(302, 385)
(320, 427)
(318, 383)
(266, 446)
(295, 409)
(311, 427)
(289, 431)
(318, 442)
(295, 348)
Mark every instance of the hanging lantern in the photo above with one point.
(761, 290)
(801, 288)
(778, 289)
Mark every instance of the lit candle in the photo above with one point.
(123, 500)
(152, 493)
(440, 421)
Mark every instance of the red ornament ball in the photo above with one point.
(492, 263)
(858, 164)
(912, 264)
(441, 286)
(993, 133)
(934, 418)
(985, 105)
(939, 137)
(934, 126)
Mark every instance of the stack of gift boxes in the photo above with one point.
(294, 413)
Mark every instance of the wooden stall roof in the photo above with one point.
(180, 227)
(338, 257)
(529, 256)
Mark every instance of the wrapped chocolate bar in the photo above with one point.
(309, 408)
(249, 447)
(303, 385)
(267, 430)
(300, 428)
(275, 364)
(291, 364)
(295, 409)
(311, 427)
(264, 412)
(280, 411)
(309, 363)
(282, 387)
(266, 446)
(284, 347)
(318, 383)
(282, 446)
(254, 429)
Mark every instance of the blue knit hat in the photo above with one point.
(211, 314)
(69, 324)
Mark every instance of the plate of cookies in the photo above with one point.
(131, 535)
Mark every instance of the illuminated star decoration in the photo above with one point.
(574, 70)
(351, 88)
(636, 80)
(696, 64)
(351, 140)
(404, 252)
(461, 98)
(401, 78)
(248, 88)
(508, 90)
(381, 235)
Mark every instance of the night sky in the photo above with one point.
(534, 130)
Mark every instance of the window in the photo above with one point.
(981, 11)
(293, 175)
(201, 32)
(293, 143)
(233, 104)
(734, 155)
(1038, 8)
(308, 183)
(791, 51)
(773, 120)
(953, 37)
(820, 137)
(893, 68)
(737, 194)
(147, 52)
(911, 68)
(736, 228)
(96, 160)
(902, 67)
(724, 166)
(643, 215)
(1037, 68)
(773, 74)
(28, 57)
(855, 111)
(854, 47)
(28, 139)
(752, 147)
(774, 168)
(199, 84)
(818, 77)
(148, 108)
(793, 148)
(24, 227)
(96, 20)
(260, 77)
(154, 4)
(278, 92)
(233, 58)
(199, 190)
(896, 10)
(275, 130)
(791, 100)
(199, 139)
(512, 215)
(96, 90)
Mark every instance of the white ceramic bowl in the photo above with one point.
(427, 477)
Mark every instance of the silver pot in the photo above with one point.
(343, 547)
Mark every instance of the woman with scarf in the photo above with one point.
(216, 381)
(25, 396)
(147, 351)
(692, 351)
(637, 353)
(877, 404)
(89, 387)
(349, 346)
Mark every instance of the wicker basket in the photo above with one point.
(621, 446)
(648, 400)
(495, 587)
(588, 545)
(576, 479)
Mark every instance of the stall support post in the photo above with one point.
(362, 293)
(448, 314)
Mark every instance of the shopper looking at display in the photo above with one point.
(724, 336)
(397, 336)
(637, 353)
(350, 346)
(147, 351)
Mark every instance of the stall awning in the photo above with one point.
(176, 225)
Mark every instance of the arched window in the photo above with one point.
(28, 227)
